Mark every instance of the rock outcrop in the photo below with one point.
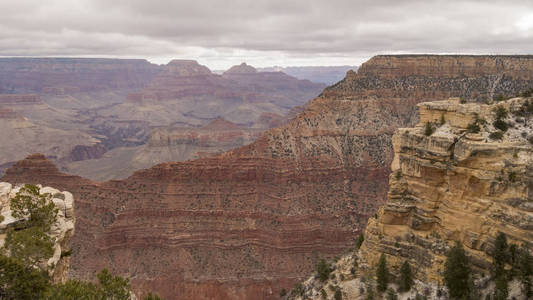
(254, 220)
(455, 186)
(61, 232)
(243, 68)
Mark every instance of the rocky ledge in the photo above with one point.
(466, 182)
(61, 231)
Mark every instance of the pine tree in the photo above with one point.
(525, 271)
(323, 269)
(382, 273)
(359, 241)
(406, 277)
(457, 272)
(499, 255)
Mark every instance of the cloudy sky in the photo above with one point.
(220, 33)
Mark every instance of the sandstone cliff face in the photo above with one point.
(454, 186)
(61, 232)
(252, 221)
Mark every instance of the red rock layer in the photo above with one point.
(252, 221)
(16, 99)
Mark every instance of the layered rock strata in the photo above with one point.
(455, 186)
(252, 221)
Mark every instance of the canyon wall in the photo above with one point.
(452, 185)
(72, 75)
(254, 220)
(455, 186)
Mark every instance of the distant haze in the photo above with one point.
(263, 33)
(320, 74)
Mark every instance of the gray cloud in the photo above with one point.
(220, 33)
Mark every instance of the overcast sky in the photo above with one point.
(221, 33)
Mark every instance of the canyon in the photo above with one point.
(253, 221)
(96, 111)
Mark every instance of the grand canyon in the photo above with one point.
(112, 111)
(249, 222)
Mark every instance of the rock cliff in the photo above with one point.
(254, 220)
(189, 94)
(61, 232)
(455, 186)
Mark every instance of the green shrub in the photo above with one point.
(429, 129)
(497, 135)
(473, 127)
(501, 125)
(151, 296)
(462, 100)
(398, 175)
(18, 281)
(512, 176)
(323, 269)
(298, 290)
(500, 112)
